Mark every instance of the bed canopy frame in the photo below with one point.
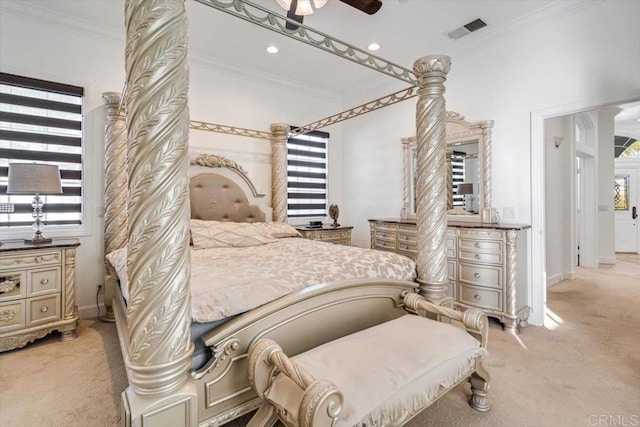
(147, 207)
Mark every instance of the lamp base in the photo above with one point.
(39, 241)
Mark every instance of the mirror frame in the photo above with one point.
(457, 130)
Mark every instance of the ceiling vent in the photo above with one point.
(466, 29)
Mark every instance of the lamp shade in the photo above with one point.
(465, 188)
(34, 178)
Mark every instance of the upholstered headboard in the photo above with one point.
(220, 190)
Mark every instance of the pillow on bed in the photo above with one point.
(216, 234)
(279, 229)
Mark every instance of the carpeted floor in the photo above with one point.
(583, 369)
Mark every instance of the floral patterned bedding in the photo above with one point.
(232, 280)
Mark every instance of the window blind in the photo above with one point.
(41, 121)
(307, 175)
(458, 175)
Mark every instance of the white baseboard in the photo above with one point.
(607, 260)
(90, 311)
(557, 278)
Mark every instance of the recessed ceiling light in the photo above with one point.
(374, 46)
(272, 49)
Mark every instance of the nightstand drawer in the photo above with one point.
(481, 275)
(492, 258)
(480, 297)
(43, 309)
(31, 260)
(12, 315)
(44, 281)
(13, 285)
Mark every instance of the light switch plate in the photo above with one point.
(508, 212)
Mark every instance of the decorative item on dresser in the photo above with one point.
(340, 235)
(37, 291)
(486, 268)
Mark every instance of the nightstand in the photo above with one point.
(327, 233)
(37, 291)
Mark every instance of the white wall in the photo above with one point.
(558, 188)
(589, 55)
(48, 50)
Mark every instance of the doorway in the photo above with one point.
(626, 198)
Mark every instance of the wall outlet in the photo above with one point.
(508, 212)
(100, 288)
(100, 211)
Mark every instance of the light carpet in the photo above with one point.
(583, 369)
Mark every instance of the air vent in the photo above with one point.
(466, 29)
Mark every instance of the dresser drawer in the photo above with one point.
(386, 234)
(13, 285)
(477, 245)
(480, 297)
(44, 281)
(43, 309)
(481, 275)
(408, 238)
(389, 245)
(407, 247)
(12, 315)
(34, 259)
(452, 272)
(491, 258)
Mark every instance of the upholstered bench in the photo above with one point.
(380, 376)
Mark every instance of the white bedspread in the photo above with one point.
(232, 280)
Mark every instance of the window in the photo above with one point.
(307, 175)
(41, 122)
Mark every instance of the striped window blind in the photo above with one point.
(41, 121)
(457, 163)
(307, 175)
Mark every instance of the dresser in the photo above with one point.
(328, 233)
(37, 291)
(486, 264)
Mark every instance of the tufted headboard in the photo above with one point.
(220, 190)
(217, 198)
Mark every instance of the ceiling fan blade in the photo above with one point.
(291, 14)
(367, 6)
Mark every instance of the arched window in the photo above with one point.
(627, 148)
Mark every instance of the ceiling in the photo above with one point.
(405, 29)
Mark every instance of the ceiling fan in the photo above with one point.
(297, 9)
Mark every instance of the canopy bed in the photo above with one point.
(154, 192)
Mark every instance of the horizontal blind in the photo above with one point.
(458, 175)
(41, 121)
(307, 175)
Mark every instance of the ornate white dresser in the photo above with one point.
(37, 291)
(487, 267)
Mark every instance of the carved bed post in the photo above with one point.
(431, 209)
(279, 133)
(406, 177)
(161, 391)
(449, 181)
(115, 188)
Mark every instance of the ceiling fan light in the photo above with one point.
(319, 3)
(285, 4)
(304, 8)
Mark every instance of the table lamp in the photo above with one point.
(466, 189)
(37, 179)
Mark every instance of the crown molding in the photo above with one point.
(42, 15)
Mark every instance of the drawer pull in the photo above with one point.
(477, 297)
(478, 256)
(44, 281)
(7, 315)
(44, 309)
(477, 245)
(39, 259)
(405, 247)
(476, 275)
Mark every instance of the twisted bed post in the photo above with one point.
(279, 134)
(431, 190)
(159, 310)
(115, 189)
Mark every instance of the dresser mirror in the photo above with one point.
(468, 171)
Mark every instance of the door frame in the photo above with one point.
(537, 292)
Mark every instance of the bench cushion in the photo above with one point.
(386, 372)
